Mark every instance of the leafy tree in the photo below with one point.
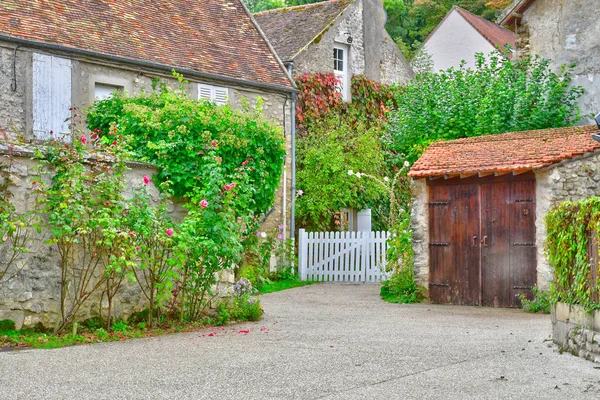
(498, 95)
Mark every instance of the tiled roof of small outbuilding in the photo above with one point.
(290, 29)
(216, 37)
(515, 152)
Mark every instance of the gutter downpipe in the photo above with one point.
(293, 129)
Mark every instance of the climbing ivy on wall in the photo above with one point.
(569, 226)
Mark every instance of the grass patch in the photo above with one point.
(34, 339)
(277, 286)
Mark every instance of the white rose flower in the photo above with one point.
(263, 235)
(350, 172)
(406, 164)
(386, 179)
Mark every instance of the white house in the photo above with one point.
(460, 35)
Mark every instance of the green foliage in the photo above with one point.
(540, 303)
(336, 137)
(498, 95)
(174, 132)
(7, 325)
(401, 288)
(262, 5)
(569, 226)
(243, 307)
(85, 212)
(283, 284)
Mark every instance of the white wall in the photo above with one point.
(455, 40)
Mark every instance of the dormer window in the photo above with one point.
(340, 69)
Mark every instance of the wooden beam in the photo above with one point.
(502, 173)
(484, 174)
(450, 176)
(467, 175)
(434, 177)
(521, 171)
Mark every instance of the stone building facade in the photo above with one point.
(567, 32)
(47, 69)
(563, 163)
(305, 38)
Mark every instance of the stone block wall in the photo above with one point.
(567, 32)
(372, 51)
(33, 295)
(576, 331)
(420, 227)
(568, 181)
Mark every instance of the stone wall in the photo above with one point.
(576, 331)
(567, 31)
(568, 181)
(420, 227)
(33, 295)
(381, 62)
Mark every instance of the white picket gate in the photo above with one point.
(342, 256)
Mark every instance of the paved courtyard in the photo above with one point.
(320, 342)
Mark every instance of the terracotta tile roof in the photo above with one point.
(208, 36)
(290, 29)
(505, 153)
(493, 33)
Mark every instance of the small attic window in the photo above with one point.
(216, 94)
(340, 69)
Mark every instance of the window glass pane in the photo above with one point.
(103, 91)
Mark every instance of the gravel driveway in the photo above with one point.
(320, 342)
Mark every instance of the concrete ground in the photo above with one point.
(320, 342)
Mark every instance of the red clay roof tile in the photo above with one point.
(507, 152)
(208, 36)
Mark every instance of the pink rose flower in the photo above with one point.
(204, 203)
(169, 232)
(146, 180)
(214, 143)
(281, 227)
(232, 185)
(300, 192)
(83, 140)
(132, 234)
(280, 236)
(227, 187)
(107, 203)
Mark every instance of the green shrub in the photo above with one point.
(402, 288)
(498, 95)
(242, 308)
(7, 325)
(539, 304)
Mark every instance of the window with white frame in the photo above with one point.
(103, 91)
(216, 94)
(340, 69)
(51, 96)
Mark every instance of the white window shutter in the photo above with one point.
(51, 95)
(205, 92)
(221, 96)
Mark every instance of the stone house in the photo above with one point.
(460, 35)
(565, 31)
(479, 205)
(344, 37)
(56, 57)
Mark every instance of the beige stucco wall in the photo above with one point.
(567, 31)
(453, 41)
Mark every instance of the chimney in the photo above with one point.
(373, 25)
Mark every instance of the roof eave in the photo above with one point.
(515, 12)
(147, 64)
(271, 48)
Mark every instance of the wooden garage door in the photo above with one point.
(482, 242)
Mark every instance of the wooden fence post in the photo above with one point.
(302, 256)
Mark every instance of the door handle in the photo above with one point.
(474, 239)
(484, 241)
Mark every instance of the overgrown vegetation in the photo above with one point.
(540, 303)
(570, 225)
(499, 95)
